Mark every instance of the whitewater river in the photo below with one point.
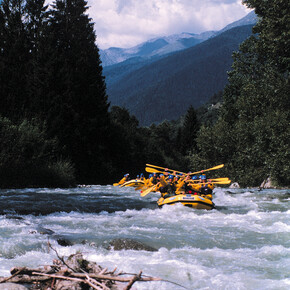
(243, 244)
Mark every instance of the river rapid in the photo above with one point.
(242, 244)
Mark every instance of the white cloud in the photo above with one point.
(125, 23)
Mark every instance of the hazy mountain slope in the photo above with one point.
(165, 88)
(249, 19)
(153, 47)
(161, 46)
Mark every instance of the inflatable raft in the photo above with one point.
(133, 183)
(190, 200)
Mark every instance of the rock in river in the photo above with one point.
(129, 244)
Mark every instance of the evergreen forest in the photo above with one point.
(57, 128)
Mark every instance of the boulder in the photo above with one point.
(14, 217)
(267, 183)
(64, 242)
(43, 231)
(129, 244)
(234, 185)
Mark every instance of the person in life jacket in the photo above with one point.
(153, 178)
(168, 189)
(202, 178)
(183, 185)
(187, 186)
(124, 179)
(206, 187)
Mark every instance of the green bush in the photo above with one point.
(29, 159)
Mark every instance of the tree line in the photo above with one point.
(55, 124)
(57, 127)
(252, 133)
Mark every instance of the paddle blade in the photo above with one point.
(148, 190)
(222, 182)
(213, 168)
(167, 169)
(152, 170)
(155, 166)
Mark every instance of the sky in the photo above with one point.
(126, 23)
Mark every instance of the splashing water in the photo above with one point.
(242, 244)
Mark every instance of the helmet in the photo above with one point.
(127, 174)
(202, 177)
(161, 175)
(138, 176)
(170, 176)
(194, 177)
(141, 174)
(150, 175)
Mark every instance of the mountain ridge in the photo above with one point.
(164, 45)
(164, 90)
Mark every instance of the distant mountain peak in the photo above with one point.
(250, 18)
(161, 46)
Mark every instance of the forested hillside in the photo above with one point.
(166, 88)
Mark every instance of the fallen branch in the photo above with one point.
(133, 280)
(98, 276)
(62, 272)
(66, 272)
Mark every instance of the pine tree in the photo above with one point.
(251, 135)
(14, 58)
(75, 100)
(36, 21)
(189, 131)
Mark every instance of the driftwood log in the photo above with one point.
(74, 273)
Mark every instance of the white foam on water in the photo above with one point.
(242, 246)
(196, 268)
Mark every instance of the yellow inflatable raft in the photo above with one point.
(190, 200)
(133, 183)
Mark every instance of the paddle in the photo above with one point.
(211, 179)
(201, 171)
(116, 184)
(150, 165)
(148, 190)
(153, 170)
(213, 168)
(215, 182)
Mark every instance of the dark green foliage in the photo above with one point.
(189, 131)
(252, 134)
(208, 113)
(77, 110)
(50, 69)
(273, 29)
(158, 144)
(14, 57)
(28, 157)
(128, 144)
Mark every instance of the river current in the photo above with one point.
(242, 244)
